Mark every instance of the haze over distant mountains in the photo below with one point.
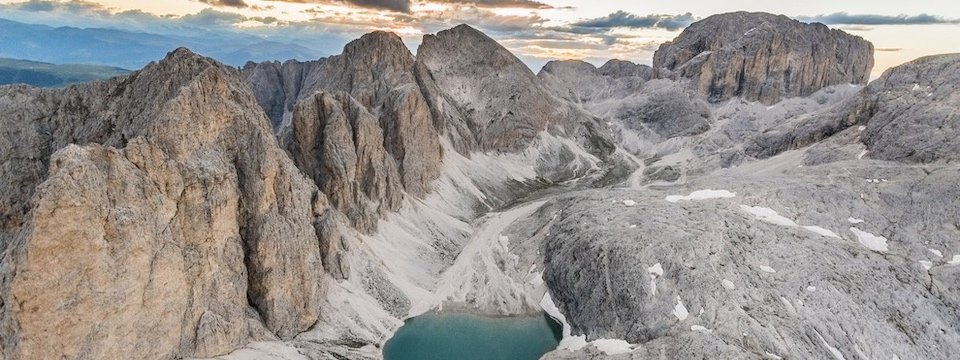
(133, 50)
(41, 74)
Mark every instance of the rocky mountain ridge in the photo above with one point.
(306, 209)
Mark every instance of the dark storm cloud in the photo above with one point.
(229, 3)
(499, 3)
(48, 6)
(623, 19)
(842, 18)
(402, 6)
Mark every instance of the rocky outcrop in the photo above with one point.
(667, 110)
(910, 112)
(624, 94)
(784, 268)
(581, 82)
(359, 116)
(411, 138)
(763, 57)
(368, 69)
(175, 214)
(339, 145)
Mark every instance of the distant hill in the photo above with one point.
(133, 50)
(40, 74)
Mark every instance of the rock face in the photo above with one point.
(763, 57)
(624, 92)
(362, 129)
(340, 146)
(911, 111)
(667, 110)
(161, 238)
(279, 86)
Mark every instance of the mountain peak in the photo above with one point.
(183, 53)
(377, 44)
(729, 55)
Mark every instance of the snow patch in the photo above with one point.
(266, 350)
(568, 342)
(916, 87)
(767, 269)
(771, 216)
(954, 261)
(629, 203)
(927, 265)
(573, 343)
(680, 311)
(772, 356)
(768, 215)
(700, 328)
(833, 351)
(862, 154)
(655, 271)
(612, 346)
(702, 195)
(811, 288)
(936, 252)
(728, 284)
(871, 241)
(822, 231)
(535, 279)
(854, 220)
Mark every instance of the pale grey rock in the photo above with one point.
(580, 82)
(792, 285)
(666, 109)
(625, 69)
(623, 94)
(910, 112)
(763, 57)
(412, 140)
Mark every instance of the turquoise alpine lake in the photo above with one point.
(449, 336)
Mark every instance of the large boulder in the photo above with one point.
(763, 57)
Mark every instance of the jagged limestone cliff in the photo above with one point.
(763, 57)
(175, 226)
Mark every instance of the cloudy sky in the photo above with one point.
(536, 30)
